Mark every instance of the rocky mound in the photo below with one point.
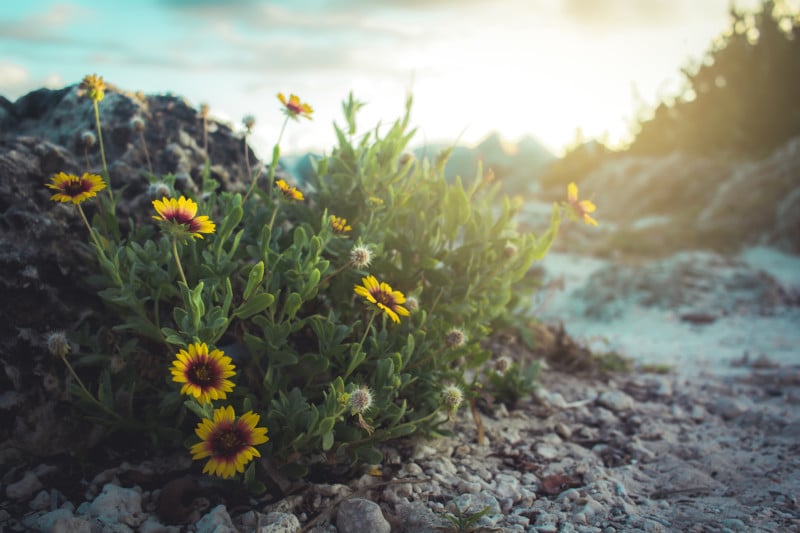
(42, 254)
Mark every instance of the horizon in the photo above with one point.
(474, 68)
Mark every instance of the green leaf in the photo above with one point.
(370, 455)
(292, 305)
(327, 441)
(254, 279)
(326, 425)
(254, 305)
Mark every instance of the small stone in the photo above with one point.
(358, 515)
(508, 487)
(729, 408)
(615, 400)
(41, 501)
(217, 520)
(280, 523)
(563, 431)
(547, 451)
(117, 505)
(25, 487)
(698, 414)
(734, 524)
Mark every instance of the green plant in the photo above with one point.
(463, 522)
(324, 312)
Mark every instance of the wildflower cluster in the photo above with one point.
(331, 332)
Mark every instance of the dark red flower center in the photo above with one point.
(76, 187)
(294, 108)
(203, 374)
(229, 440)
(383, 297)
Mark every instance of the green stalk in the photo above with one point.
(178, 260)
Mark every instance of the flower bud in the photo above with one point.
(116, 364)
(204, 109)
(510, 250)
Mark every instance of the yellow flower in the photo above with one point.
(181, 215)
(382, 295)
(228, 441)
(73, 189)
(93, 86)
(292, 193)
(294, 108)
(580, 208)
(340, 225)
(204, 374)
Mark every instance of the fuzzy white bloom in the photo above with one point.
(57, 344)
(360, 256)
(360, 400)
(455, 338)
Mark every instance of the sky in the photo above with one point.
(519, 67)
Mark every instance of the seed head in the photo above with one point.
(412, 304)
(452, 397)
(360, 256)
(455, 338)
(88, 138)
(249, 121)
(360, 400)
(57, 344)
(502, 364)
(159, 190)
(50, 382)
(137, 124)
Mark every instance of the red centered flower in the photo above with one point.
(580, 208)
(182, 215)
(73, 189)
(228, 441)
(205, 375)
(382, 295)
(294, 108)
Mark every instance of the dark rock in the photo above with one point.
(44, 257)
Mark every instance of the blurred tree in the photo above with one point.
(742, 98)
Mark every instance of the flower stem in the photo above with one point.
(276, 153)
(100, 249)
(89, 395)
(106, 175)
(369, 325)
(146, 153)
(178, 260)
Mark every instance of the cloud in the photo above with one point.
(16, 80)
(43, 27)
(615, 13)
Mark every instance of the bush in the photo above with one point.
(335, 317)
